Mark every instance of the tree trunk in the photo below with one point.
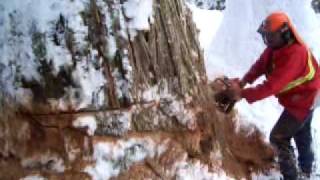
(78, 74)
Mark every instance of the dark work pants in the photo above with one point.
(286, 128)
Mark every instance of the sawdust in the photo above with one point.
(243, 147)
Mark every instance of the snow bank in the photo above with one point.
(208, 22)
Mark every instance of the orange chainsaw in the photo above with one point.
(224, 97)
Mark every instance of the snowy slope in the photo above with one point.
(236, 45)
(208, 22)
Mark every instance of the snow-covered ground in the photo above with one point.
(231, 45)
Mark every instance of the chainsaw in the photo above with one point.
(224, 98)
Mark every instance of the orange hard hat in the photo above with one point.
(278, 20)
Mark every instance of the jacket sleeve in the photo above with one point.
(257, 69)
(288, 70)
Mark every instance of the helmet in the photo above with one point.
(280, 22)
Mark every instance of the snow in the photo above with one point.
(41, 15)
(117, 122)
(123, 85)
(176, 108)
(316, 141)
(207, 30)
(186, 170)
(33, 177)
(113, 157)
(136, 21)
(209, 4)
(171, 105)
(127, 67)
(20, 20)
(124, 119)
(151, 94)
(88, 122)
(156, 92)
(230, 42)
(91, 81)
(236, 45)
(273, 175)
(48, 160)
(18, 25)
(140, 14)
(112, 47)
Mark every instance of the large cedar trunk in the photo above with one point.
(88, 75)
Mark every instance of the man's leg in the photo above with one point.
(281, 134)
(303, 141)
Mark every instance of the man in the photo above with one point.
(293, 76)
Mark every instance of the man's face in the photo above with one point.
(273, 40)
